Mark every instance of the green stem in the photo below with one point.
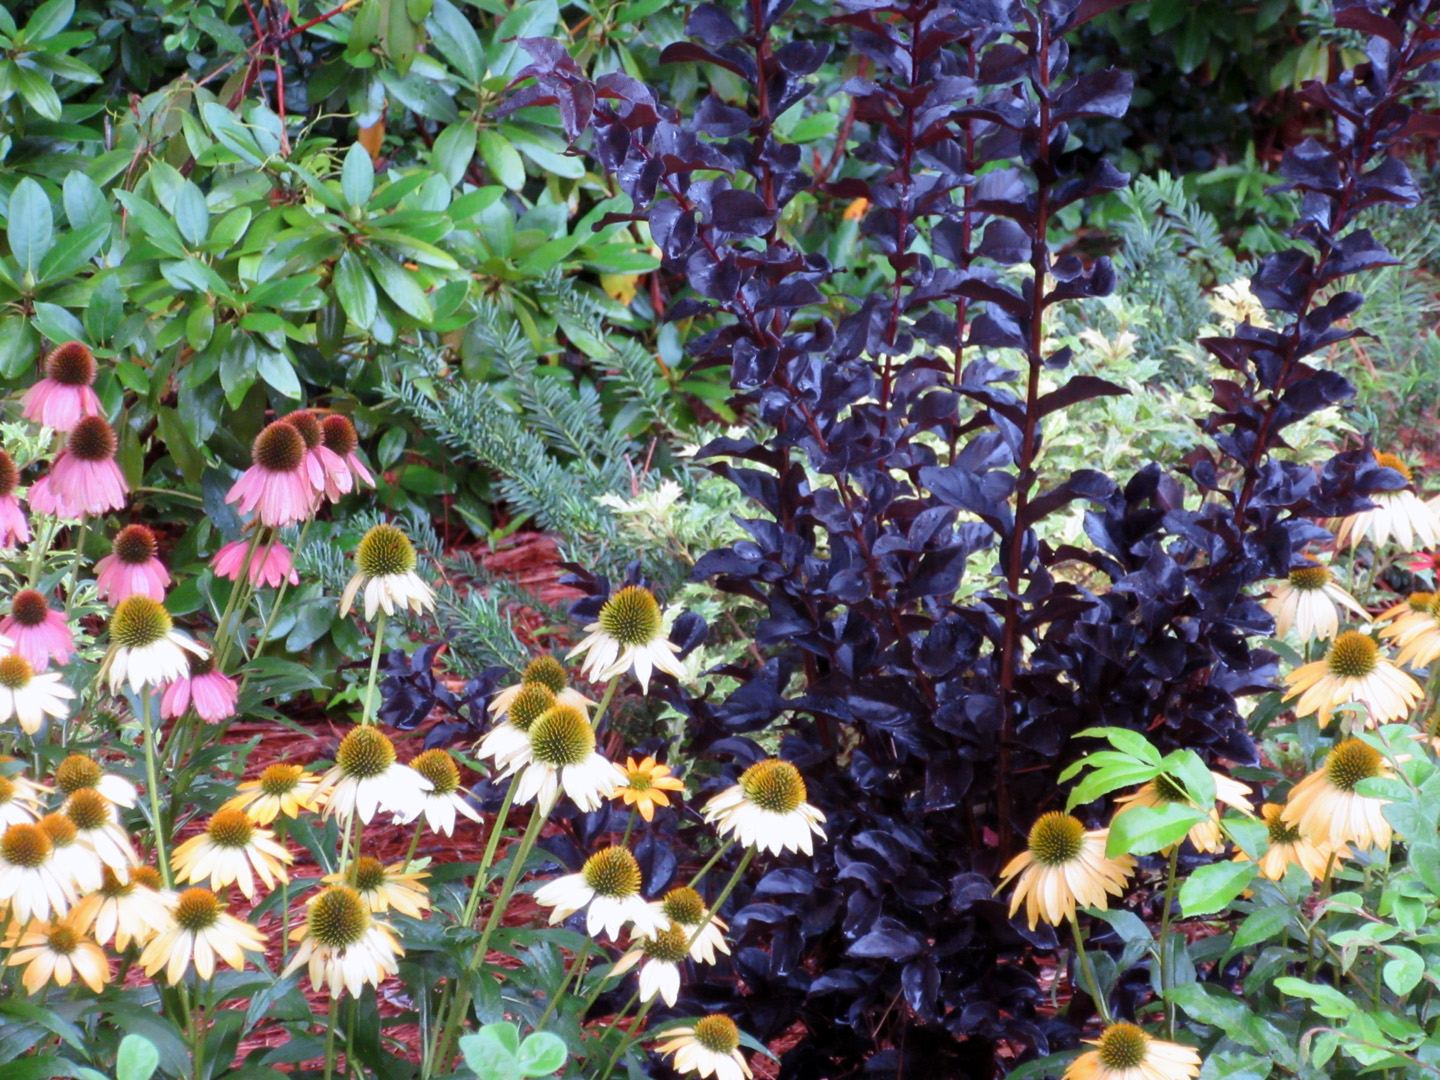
(152, 785)
(330, 1025)
(1088, 973)
(629, 827)
(1312, 958)
(627, 1040)
(38, 550)
(1165, 973)
(280, 831)
(472, 905)
(279, 595)
(414, 845)
(605, 702)
(713, 860)
(223, 629)
(367, 715)
(477, 958)
(576, 964)
(76, 557)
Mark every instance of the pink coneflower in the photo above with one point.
(211, 692)
(270, 564)
(40, 635)
(84, 478)
(13, 526)
(277, 486)
(340, 437)
(1423, 561)
(131, 568)
(326, 468)
(63, 396)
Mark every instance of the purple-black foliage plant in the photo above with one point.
(901, 437)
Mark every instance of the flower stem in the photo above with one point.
(38, 550)
(472, 905)
(575, 965)
(1088, 973)
(605, 700)
(627, 1039)
(414, 844)
(279, 595)
(1166, 974)
(152, 785)
(76, 557)
(367, 714)
(719, 854)
(223, 629)
(629, 827)
(330, 1025)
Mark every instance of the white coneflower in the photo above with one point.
(444, 799)
(74, 861)
(1206, 835)
(343, 945)
(547, 672)
(685, 908)
(607, 889)
(98, 826)
(80, 771)
(385, 566)
(367, 779)
(1327, 809)
(711, 1047)
(145, 648)
(29, 697)
(1401, 514)
(18, 803)
(230, 848)
(659, 958)
(508, 743)
(199, 931)
(129, 908)
(628, 633)
(384, 887)
(1061, 867)
(1127, 1052)
(1310, 601)
(562, 754)
(29, 879)
(1353, 670)
(767, 809)
(1417, 633)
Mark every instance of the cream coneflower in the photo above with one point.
(57, 951)
(230, 848)
(508, 743)
(270, 562)
(277, 485)
(385, 564)
(607, 889)
(145, 648)
(29, 697)
(1400, 514)
(685, 908)
(209, 691)
(39, 634)
(1418, 636)
(645, 785)
(343, 945)
(1310, 600)
(74, 860)
(1064, 865)
(79, 771)
(13, 526)
(547, 672)
(126, 908)
(562, 755)
(18, 802)
(29, 879)
(1400, 622)
(280, 789)
(445, 798)
(628, 634)
(1327, 809)
(1206, 836)
(1289, 848)
(131, 568)
(767, 809)
(64, 396)
(384, 887)
(367, 779)
(339, 435)
(711, 1047)
(199, 930)
(1353, 670)
(98, 826)
(659, 958)
(1127, 1052)
(84, 478)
